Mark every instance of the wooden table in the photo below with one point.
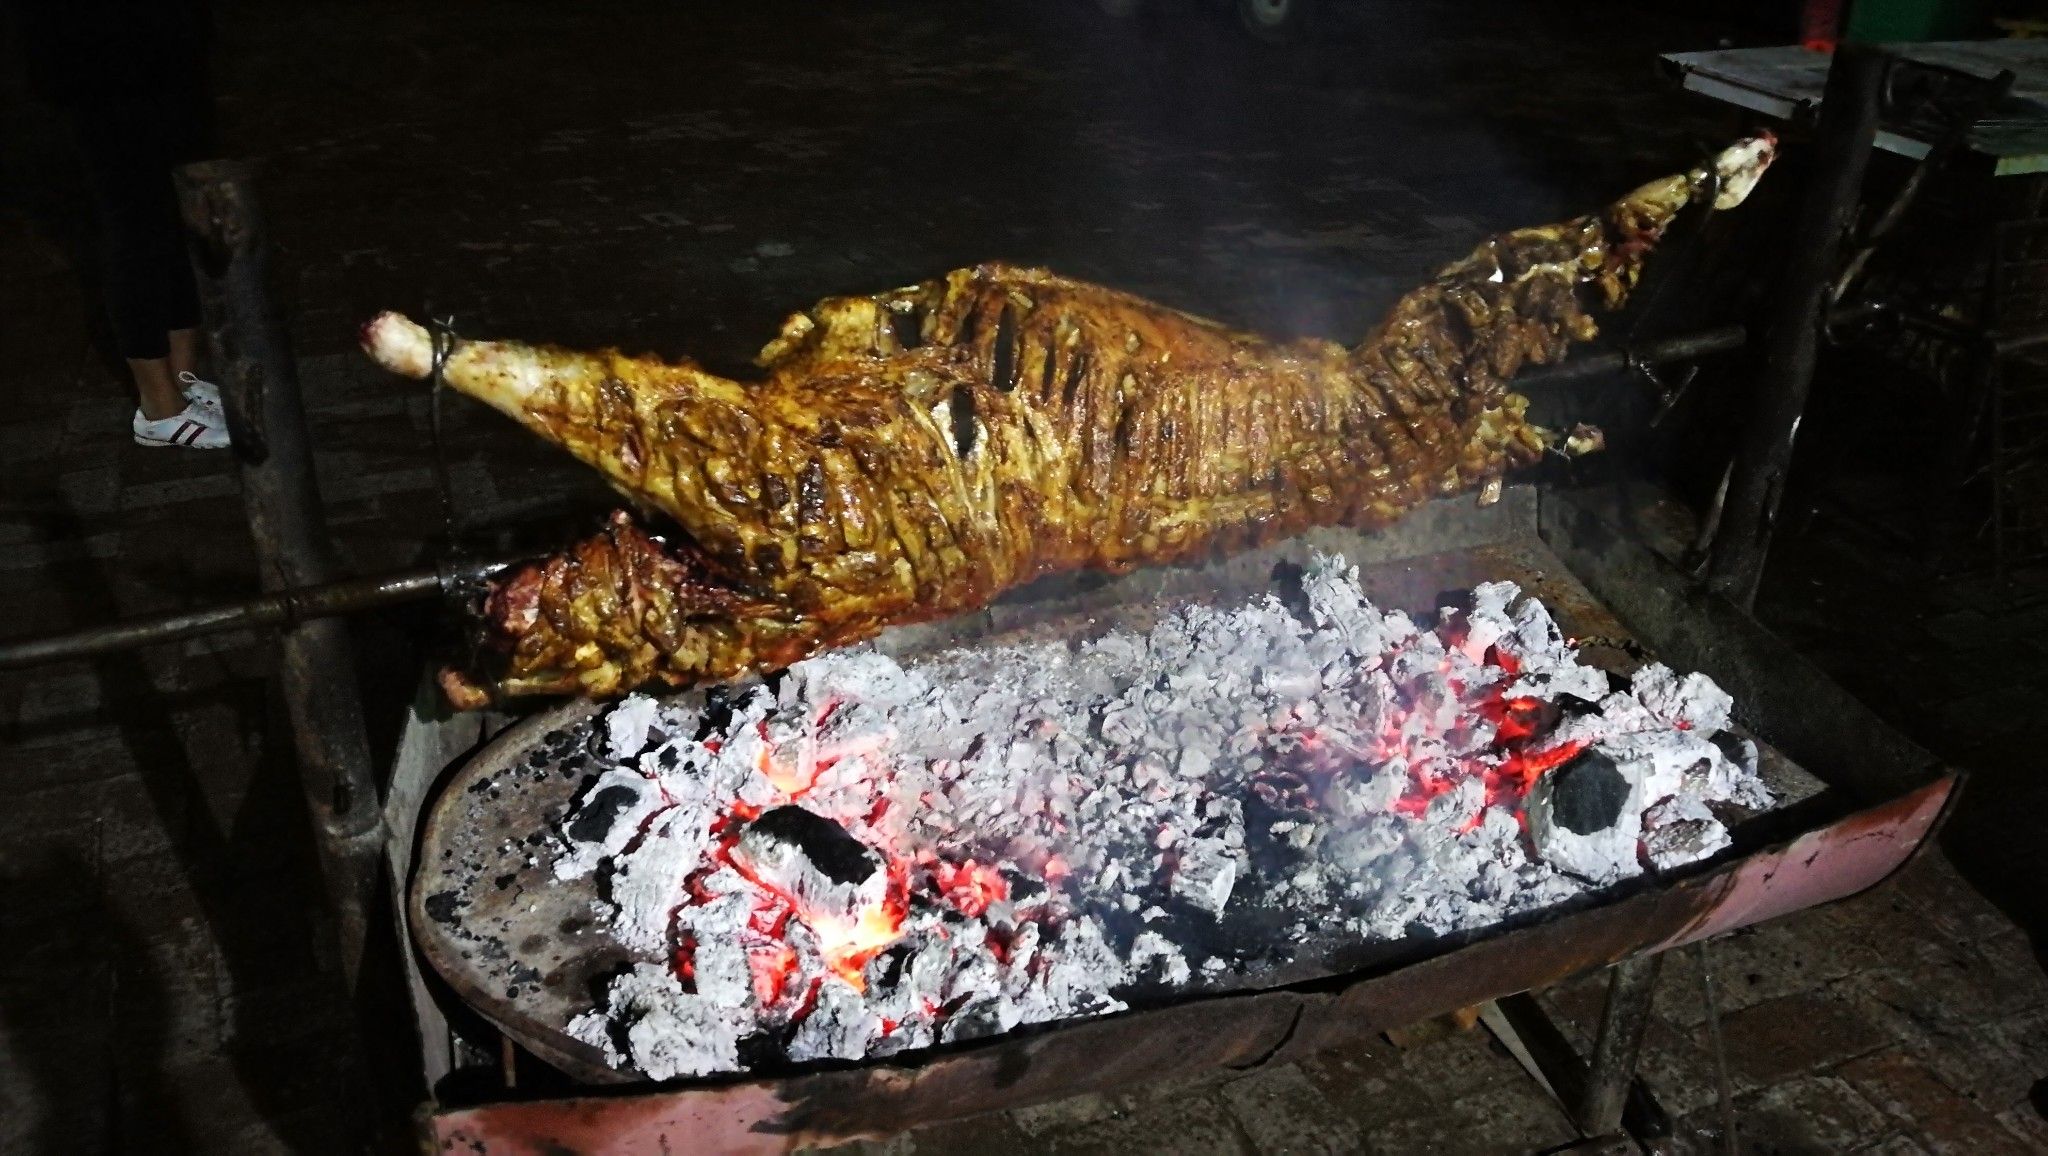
(1785, 82)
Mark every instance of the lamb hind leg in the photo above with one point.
(619, 610)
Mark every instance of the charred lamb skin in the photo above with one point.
(914, 453)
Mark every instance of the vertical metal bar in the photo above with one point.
(1724, 1088)
(1622, 1024)
(1840, 152)
(317, 673)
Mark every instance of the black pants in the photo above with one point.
(129, 141)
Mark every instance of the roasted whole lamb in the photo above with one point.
(915, 453)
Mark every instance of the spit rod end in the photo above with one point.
(1584, 439)
(1739, 166)
(399, 344)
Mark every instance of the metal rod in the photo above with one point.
(1724, 1088)
(316, 671)
(279, 608)
(1841, 152)
(1686, 347)
(1623, 1021)
(292, 605)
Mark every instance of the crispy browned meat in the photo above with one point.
(914, 453)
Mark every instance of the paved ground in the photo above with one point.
(661, 178)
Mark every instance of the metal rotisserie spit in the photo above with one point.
(940, 808)
(1356, 749)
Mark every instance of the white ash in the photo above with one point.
(631, 725)
(1152, 950)
(1062, 827)
(1681, 830)
(608, 816)
(644, 883)
(668, 1032)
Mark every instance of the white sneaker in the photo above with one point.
(200, 391)
(196, 428)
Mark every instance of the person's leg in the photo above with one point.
(148, 279)
(184, 352)
(115, 166)
(142, 322)
(156, 387)
(184, 133)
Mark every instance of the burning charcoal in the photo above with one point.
(1206, 874)
(973, 965)
(1458, 806)
(1023, 950)
(1548, 665)
(685, 1036)
(1366, 791)
(1680, 830)
(825, 872)
(1489, 619)
(722, 972)
(595, 1028)
(1733, 777)
(1584, 819)
(855, 675)
(1587, 794)
(841, 1026)
(985, 1014)
(853, 729)
(1659, 761)
(1119, 772)
(1366, 842)
(607, 818)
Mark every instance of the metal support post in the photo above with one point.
(1840, 153)
(1540, 1046)
(266, 416)
(1622, 1024)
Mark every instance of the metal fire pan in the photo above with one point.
(1878, 797)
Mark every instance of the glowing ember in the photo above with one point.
(970, 886)
(877, 857)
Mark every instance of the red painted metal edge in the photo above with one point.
(1241, 1031)
(1825, 864)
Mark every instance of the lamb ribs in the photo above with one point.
(913, 454)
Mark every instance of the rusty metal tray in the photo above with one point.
(522, 956)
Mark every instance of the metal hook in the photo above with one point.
(1668, 395)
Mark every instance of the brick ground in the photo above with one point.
(608, 174)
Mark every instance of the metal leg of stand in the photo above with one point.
(1622, 1025)
(1608, 1084)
